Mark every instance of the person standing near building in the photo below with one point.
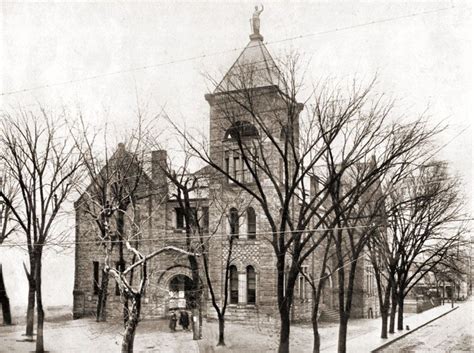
(173, 320)
(184, 320)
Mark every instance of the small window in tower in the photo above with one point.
(227, 163)
(237, 168)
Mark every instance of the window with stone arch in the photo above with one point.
(243, 133)
(241, 130)
(234, 284)
(234, 222)
(251, 285)
(251, 223)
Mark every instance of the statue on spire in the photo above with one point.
(256, 20)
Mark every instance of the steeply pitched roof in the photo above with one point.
(254, 68)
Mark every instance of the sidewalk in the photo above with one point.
(368, 342)
(85, 335)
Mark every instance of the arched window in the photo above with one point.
(251, 285)
(234, 222)
(234, 285)
(251, 223)
(235, 164)
(241, 129)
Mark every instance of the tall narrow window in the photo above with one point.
(179, 218)
(302, 282)
(227, 163)
(205, 218)
(95, 283)
(234, 222)
(120, 266)
(237, 169)
(301, 286)
(251, 285)
(251, 223)
(234, 285)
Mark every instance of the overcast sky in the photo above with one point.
(91, 56)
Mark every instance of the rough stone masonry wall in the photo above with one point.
(153, 223)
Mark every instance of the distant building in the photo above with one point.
(253, 274)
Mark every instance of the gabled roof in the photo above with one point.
(253, 68)
(120, 154)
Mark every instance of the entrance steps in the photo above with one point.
(329, 315)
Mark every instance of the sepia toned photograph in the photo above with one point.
(284, 176)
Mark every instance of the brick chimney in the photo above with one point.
(158, 163)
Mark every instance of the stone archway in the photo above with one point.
(180, 292)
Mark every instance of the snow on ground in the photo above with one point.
(85, 335)
(245, 338)
(450, 333)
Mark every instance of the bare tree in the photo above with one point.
(419, 228)
(7, 227)
(39, 157)
(128, 291)
(383, 258)
(116, 180)
(317, 285)
(453, 268)
(188, 187)
(281, 143)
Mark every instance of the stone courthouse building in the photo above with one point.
(223, 210)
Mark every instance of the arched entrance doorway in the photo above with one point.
(180, 292)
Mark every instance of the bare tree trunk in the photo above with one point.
(393, 312)
(221, 341)
(197, 290)
(316, 338)
(284, 346)
(30, 311)
(400, 313)
(384, 316)
(200, 317)
(102, 298)
(341, 343)
(345, 304)
(39, 305)
(126, 312)
(131, 325)
(120, 223)
(4, 301)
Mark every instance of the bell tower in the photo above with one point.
(249, 114)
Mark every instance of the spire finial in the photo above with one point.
(256, 24)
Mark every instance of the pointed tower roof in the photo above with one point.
(253, 68)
